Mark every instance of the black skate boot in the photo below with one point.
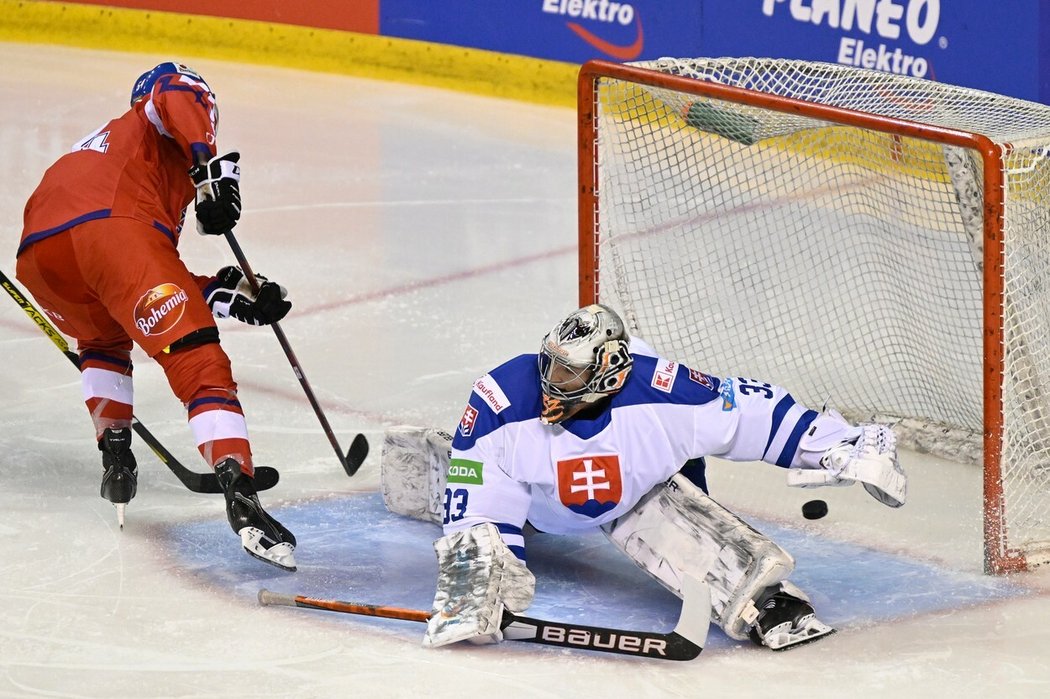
(786, 620)
(261, 535)
(121, 472)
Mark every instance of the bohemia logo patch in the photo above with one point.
(160, 309)
(590, 485)
(466, 423)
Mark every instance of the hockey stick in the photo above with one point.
(359, 446)
(685, 642)
(265, 477)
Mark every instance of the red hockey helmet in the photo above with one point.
(144, 85)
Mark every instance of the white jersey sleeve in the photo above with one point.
(752, 421)
(479, 491)
(508, 467)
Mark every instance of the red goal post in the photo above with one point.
(761, 155)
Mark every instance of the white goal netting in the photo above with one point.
(841, 260)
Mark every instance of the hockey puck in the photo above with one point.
(814, 509)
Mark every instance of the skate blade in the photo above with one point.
(814, 630)
(120, 513)
(279, 555)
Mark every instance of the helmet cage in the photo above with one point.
(602, 377)
(592, 345)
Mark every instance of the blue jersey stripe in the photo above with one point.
(779, 412)
(120, 363)
(212, 400)
(504, 528)
(40, 235)
(165, 230)
(791, 446)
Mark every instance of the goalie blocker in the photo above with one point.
(675, 533)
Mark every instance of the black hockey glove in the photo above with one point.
(230, 295)
(218, 193)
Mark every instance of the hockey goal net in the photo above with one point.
(874, 239)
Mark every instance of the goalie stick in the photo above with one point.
(685, 642)
(265, 477)
(353, 459)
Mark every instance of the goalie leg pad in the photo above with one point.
(677, 531)
(413, 470)
(477, 577)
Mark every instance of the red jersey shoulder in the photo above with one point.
(183, 107)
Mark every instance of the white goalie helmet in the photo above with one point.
(583, 359)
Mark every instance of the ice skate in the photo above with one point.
(262, 536)
(786, 620)
(120, 471)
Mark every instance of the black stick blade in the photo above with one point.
(646, 644)
(356, 455)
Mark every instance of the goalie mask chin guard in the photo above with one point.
(583, 359)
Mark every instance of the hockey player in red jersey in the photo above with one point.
(98, 252)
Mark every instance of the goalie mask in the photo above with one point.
(583, 359)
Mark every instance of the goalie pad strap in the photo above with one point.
(677, 531)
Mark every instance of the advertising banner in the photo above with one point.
(574, 31)
(995, 46)
(975, 43)
(1002, 46)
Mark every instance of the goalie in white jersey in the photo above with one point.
(595, 431)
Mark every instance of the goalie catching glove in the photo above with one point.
(218, 193)
(230, 295)
(833, 453)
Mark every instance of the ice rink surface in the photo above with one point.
(425, 236)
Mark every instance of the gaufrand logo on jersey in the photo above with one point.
(465, 471)
(590, 485)
(160, 309)
(663, 376)
(599, 13)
